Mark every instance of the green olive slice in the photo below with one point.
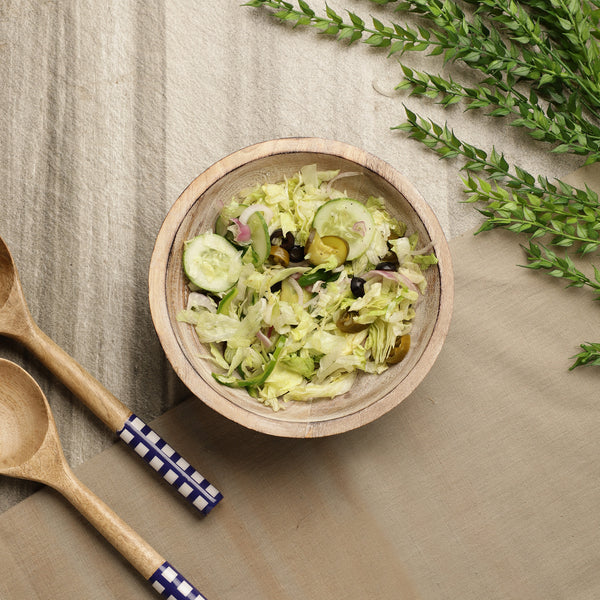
(321, 249)
(279, 255)
(347, 324)
(399, 351)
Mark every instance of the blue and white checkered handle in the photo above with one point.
(175, 469)
(171, 584)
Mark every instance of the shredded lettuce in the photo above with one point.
(333, 386)
(293, 349)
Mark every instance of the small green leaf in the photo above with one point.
(356, 20)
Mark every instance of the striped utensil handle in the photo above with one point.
(171, 584)
(174, 468)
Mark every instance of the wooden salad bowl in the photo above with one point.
(196, 210)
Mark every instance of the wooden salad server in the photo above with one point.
(30, 449)
(16, 322)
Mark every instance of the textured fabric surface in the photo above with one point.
(484, 483)
(109, 110)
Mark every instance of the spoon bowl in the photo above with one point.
(7, 274)
(15, 319)
(24, 424)
(30, 449)
(28, 435)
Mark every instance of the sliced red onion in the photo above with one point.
(381, 273)
(392, 275)
(264, 340)
(409, 284)
(247, 212)
(340, 176)
(242, 235)
(299, 291)
(360, 227)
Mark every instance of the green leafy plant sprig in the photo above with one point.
(562, 267)
(538, 63)
(516, 200)
(589, 355)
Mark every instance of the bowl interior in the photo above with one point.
(196, 211)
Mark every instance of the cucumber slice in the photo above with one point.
(347, 219)
(261, 241)
(211, 262)
(221, 225)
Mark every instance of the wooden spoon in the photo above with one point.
(16, 322)
(30, 449)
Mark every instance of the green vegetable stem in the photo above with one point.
(538, 66)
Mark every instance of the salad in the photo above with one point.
(299, 288)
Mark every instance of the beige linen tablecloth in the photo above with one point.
(109, 109)
(484, 483)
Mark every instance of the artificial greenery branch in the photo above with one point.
(538, 64)
(567, 79)
(566, 130)
(564, 120)
(571, 26)
(589, 355)
(541, 257)
(543, 59)
(516, 201)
